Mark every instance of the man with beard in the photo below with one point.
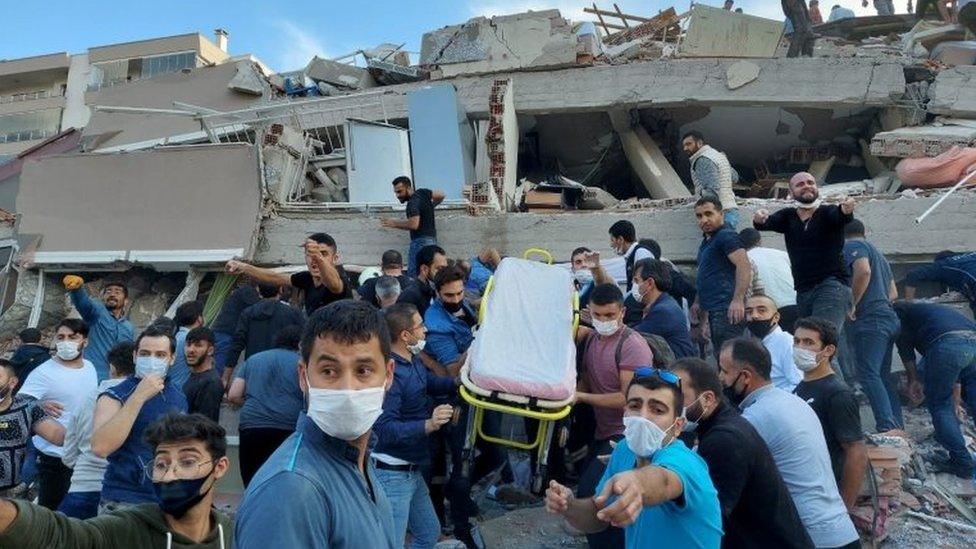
(106, 320)
(814, 235)
(204, 391)
(712, 174)
(420, 217)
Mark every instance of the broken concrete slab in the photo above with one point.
(954, 92)
(932, 37)
(957, 52)
(646, 158)
(922, 141)
(389, 73)
(247, 80)
(715, 32)
(741, 73)
(339, 74)
(531, 40)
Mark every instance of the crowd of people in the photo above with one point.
(708, 413)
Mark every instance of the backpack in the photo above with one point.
(661, 352)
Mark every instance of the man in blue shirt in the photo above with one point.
(654, 486)
(106, 320)
(662, 314)
(401, 452)
(724, 274)
(947, 342)
(956, 271)
(122, 414)
(874, 325)
(319, 488)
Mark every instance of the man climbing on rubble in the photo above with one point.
(724, 274)
(106, 319)
(420, 217)
(712, 174)
(873, 326)
(956, 271)
(324, 282)
(947, 342)
(814, 235)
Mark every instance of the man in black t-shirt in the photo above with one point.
(814, 344)
(420, 217)
(203, 389)
(324, 282)
(814, 235)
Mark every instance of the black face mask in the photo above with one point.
(760, 328)
(179, 496)
(735, 396)
(451, 307)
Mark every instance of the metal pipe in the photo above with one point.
(941, 199)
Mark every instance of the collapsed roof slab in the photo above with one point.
(889, 222)
(954, 92)
(800, 82)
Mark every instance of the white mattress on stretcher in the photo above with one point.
(525, 343)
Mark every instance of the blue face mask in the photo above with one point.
(178, 496)
(151, 365)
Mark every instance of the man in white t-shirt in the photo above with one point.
(62, 385)
(773, 267)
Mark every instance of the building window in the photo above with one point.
(163, 64)
(116, 72)
(25, 126)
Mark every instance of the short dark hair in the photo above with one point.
(7, 365)
(289, 337)
(750, 352)
(157, 330)
(324, 238)
(402, 179)
(702, 375)
(655, 270)
(346, 321)
(399, 317)
(824, 329)
(854, 228)
(451, 273)
(176, 427)
(694, 134)
(120, 357)
(605, 294)
(652, 383)
(116, 282)
(268, 291)
(76, 325)
(200, 333)
(164, 323)
(391, 258)
(188, 313)
(750, 237)
(426, 254)
(623, 229)
(651, 246)
(30, 335)
(580, 250)
(709, 199)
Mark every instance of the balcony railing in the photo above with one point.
(27, 96)
(25, 135)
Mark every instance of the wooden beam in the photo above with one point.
(598, 12)
(621, 15)
(600, 17)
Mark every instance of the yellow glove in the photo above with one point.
(72, 282)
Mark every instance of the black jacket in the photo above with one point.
(259, 326)
(25, 359)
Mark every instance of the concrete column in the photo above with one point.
(646, 158)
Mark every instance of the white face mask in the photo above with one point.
(345, 414)
(804, 359)
(636, 292)
(690, 425)
(643, 436)
(606, 328)
(417, 347)
(583, 276)
(67, 350)
(804, 206)
(151, 365)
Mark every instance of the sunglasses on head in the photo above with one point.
(664, 375)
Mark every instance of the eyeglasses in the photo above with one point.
(664, 375)
(183, 469)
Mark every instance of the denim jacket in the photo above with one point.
(448, 336)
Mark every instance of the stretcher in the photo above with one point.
(523, 358)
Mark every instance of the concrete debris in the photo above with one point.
(924, 141)
(646, 158)
(663, 26)
(531, 40)
(956, 52)
(932, 37)
(247, 80)
(859, 28)
(741, 73)
(341, 75)
(715, 32)
(388, 73)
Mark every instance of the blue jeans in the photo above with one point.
(416, 244)
(411, 506)
(721, 330)
(872, 337)
(731, 217)
(222, 345)
(80, 505)
(829, 300)
(950, 359)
